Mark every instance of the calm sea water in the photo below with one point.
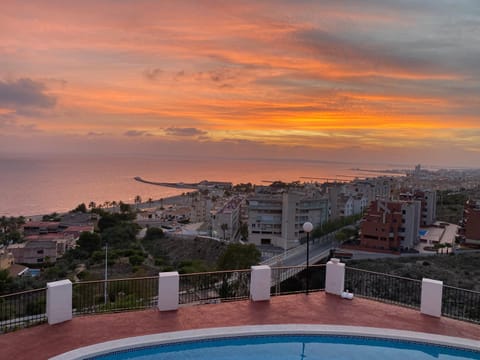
(31, 186)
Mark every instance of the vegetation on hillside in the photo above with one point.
(459, 270)
(333, 225)
(10, 229)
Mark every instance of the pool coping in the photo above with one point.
(292, 329)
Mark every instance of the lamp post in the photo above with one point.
(308, 227)
(105, 292)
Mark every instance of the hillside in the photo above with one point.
(459, 270)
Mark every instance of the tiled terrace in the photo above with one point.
(44, 341)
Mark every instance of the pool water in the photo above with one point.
(300, 347)
(422, 232)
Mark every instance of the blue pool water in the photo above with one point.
(300, 347)
(422, 232)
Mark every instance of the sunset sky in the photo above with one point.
(353, 80)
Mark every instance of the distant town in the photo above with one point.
(417, 212)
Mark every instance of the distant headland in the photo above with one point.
(180, 185)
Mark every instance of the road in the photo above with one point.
(319, 249)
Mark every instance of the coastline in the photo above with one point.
(169, 200)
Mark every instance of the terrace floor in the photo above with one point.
(44, 341)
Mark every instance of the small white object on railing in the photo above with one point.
(168, 286)
(335, 277)
(431, 299)
(59, 301)
(260, 283)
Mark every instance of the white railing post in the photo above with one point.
(168, 287)
(431, 299)
(335, 277)
(59, 301)
(260, 283)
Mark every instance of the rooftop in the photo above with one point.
(44, 341)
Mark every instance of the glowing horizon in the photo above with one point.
(387, 79)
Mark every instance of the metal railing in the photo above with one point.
(29, 307)
(22, 309)
(461, 304)
(122, 295)
(211, 287)
(292, 279)
(383, 287)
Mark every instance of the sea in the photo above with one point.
(34, 185)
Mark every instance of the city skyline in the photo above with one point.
(385, 80)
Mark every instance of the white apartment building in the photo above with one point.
(226, 220)
(353, 198)
(428, 200)
(277, 219)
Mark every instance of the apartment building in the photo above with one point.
(352, 198)
(379, 188)
(48, 241)
(428, 200)
(35, 252)
(200, 209)
(390, 226)
(226, 220)
(471, 222)
(277, 218)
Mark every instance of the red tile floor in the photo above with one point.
(44, 341)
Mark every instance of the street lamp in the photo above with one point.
(308, 227)
(105, 292)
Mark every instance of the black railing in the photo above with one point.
(22, 309)
(211, 287)
(122, 295)
(292, 279)
(383, 287)
(27, 308)
(461, 304)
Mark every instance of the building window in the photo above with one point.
(40, 260)
(40, 252)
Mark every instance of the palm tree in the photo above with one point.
(138, 199)
(224, 227)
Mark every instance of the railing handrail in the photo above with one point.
(23, 292)
(216, 272)
(383, 274)
(112, 280)
(462, 289)
(297, 267)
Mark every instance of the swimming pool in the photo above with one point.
(281, 342)
(422, 232)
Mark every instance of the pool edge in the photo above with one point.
(293, 329)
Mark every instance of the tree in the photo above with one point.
(239, 256)
(120, 236)
(154, 233)
(89, 242)
(224, 227)
(244, 230)
(108, 220)
(136, 259)
(124, 208)
(80, 208)
(138, 200)
(5, 281)
(52, 217)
